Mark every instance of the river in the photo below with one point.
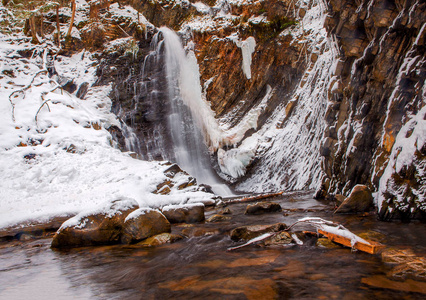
(200, 267)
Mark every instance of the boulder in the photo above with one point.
(250, 232)
(218, 218)
(262, 207)
(144, 223)
(102, 226)
(160, 239)
(360, 200)
(187, 213)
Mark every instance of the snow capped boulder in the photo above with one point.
(253, 231)
(262, 207)
(359, 200)
(97, 227)
(187, 213)
(144, 223)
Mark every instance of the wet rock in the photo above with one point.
(281, 238)
(144, 223)
(193, 231)
(407, 265)
(225, 211)
(326, 243)
(160, 239)
(360, 200)
(262, 207)
(339, 199)
(250, 232)
(187, 213)
(218, 218)
(100, 227)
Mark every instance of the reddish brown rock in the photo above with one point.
(262, 207)
(360, 200)
(144, 223)
(250, 232)
(187, 213)
(100, 227)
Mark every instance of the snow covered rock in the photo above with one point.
(253, 231)
(144, 223)
(187, 213)
(262, 207)
(97, 227)
(359, 200)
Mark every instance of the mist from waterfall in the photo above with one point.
(190, 115)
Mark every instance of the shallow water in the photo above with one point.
(200, 267)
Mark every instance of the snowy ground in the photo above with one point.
(56, 156)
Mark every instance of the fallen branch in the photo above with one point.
(254, 198)
(333, 231)
(255, 240)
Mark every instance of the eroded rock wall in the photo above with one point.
(379, 87)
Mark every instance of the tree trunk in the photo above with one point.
(33, 30)
(73, 7)
(58, 26)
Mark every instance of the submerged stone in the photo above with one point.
(253, 231)
(262, 207)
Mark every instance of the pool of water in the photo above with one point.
(201, 267)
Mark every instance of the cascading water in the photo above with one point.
(189, 114)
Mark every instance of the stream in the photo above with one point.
(201, 267)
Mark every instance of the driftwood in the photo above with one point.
(369, 247)
(333, 231)
(253, 198)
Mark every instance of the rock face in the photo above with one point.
(251, 232)
(188, 213)
(100, 227)
(262, 207)
(360, 200)
(311, 95)
(379, 88)
(143, 223)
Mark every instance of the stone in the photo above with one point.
(218, 218)
(252, 231)
(326, 243)
(281, 238)
(339, 199)
(359, 200)
(187, 213)
(144, 223)
(99, 227)
(225, 211)
(262, 207)
(160, 239)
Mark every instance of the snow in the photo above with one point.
(287, 146)
(139, 212)
(57, 158)
(410, 139)
(182, 206)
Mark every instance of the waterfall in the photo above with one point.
(191, 120)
